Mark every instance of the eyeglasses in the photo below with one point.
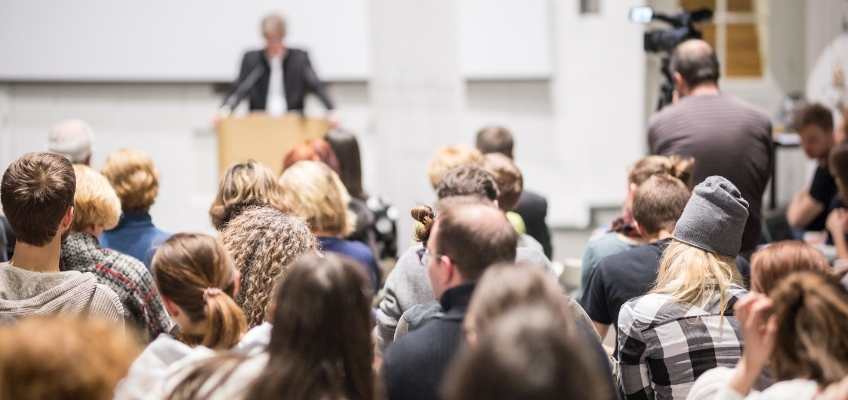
(424, 256)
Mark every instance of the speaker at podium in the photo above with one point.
(264, 138)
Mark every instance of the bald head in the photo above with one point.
(696, 63)
(475, 236)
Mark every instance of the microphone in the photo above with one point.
(243, 87)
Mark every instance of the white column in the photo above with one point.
(417, 97)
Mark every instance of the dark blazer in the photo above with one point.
(299, 78)
(414, 364)
(533, 209)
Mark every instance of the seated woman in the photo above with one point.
(308, 356)
(263, 242)
(686, 325)
(623, 234)
(798, 332)
(197, 280)
(314, 192)
(244, 185)
(96, 209)
(136, 181)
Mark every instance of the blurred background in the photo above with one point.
(570, 78)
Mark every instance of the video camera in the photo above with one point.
(665, 40)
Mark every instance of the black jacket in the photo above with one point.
(299, 78)
(414, 364)
(533, 209)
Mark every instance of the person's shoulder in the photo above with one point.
(126, 263)
(646, 310)
(107, 301)
(296, 54)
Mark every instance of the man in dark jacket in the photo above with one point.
(531, 206)
(465, 240)
(276, 79)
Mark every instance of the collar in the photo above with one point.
(455, 300)
(84, 238)
(135, 218)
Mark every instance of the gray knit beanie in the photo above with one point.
(714, 218)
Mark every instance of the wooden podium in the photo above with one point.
(264, 138)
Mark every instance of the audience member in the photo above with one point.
(97, 208)
(37, 193)
(312, 150)
(308, 356)
(312, 191)
(623, 234)
(263, 241)
(197, 280)
(837, 220)
(136, 182)
(376, 220)
(779, 260)
(407, 285)
(244, 185)
(809, 207)
(63, 358)
(656, 206)
(450, 157)
(725, 135)
(529, 353)
(798, 331)
(464, 241)
(531, 206)
(686, 324)
(72, 138)
(510, 184)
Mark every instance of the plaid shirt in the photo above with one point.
(128, 277)
(665, 345)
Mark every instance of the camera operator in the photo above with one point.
(726, 136)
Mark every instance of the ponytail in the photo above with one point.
(195, 272)
(225, 321)
(425, 216)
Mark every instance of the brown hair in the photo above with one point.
(495, 139)
(838, 165)
(36, 192)
(812, 317)
(529, 353)
(818, 115)
(659, 202)
(134, 177)
(244, 185)
(59, 357)
(263, 241)
(781, 259)
(468, 180)
(312, 150)
(506, 286)
(346, 147)
(312, 191)
(425, 215)
(475, 236)
(195, 272)
(95, 201)
(508, 177)
(448, 158)
(676, 166)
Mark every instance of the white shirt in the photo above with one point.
(275, 104)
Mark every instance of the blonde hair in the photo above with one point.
(95, 202)
(244, 185)
(694, 276)
(314, 192)
(134, 177)
(450, 157)
(60, 357)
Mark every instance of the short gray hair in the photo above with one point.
(273, 22)
(71, 138)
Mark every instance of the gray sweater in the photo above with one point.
(25, 293)
(408, 285)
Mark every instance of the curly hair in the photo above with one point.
(263, 241)
(95, 202)
(134, 177)
(244, 185)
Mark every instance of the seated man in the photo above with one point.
(809, 207)
(38, 199)
(464, 241)
(532, 206)
(510, 186)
